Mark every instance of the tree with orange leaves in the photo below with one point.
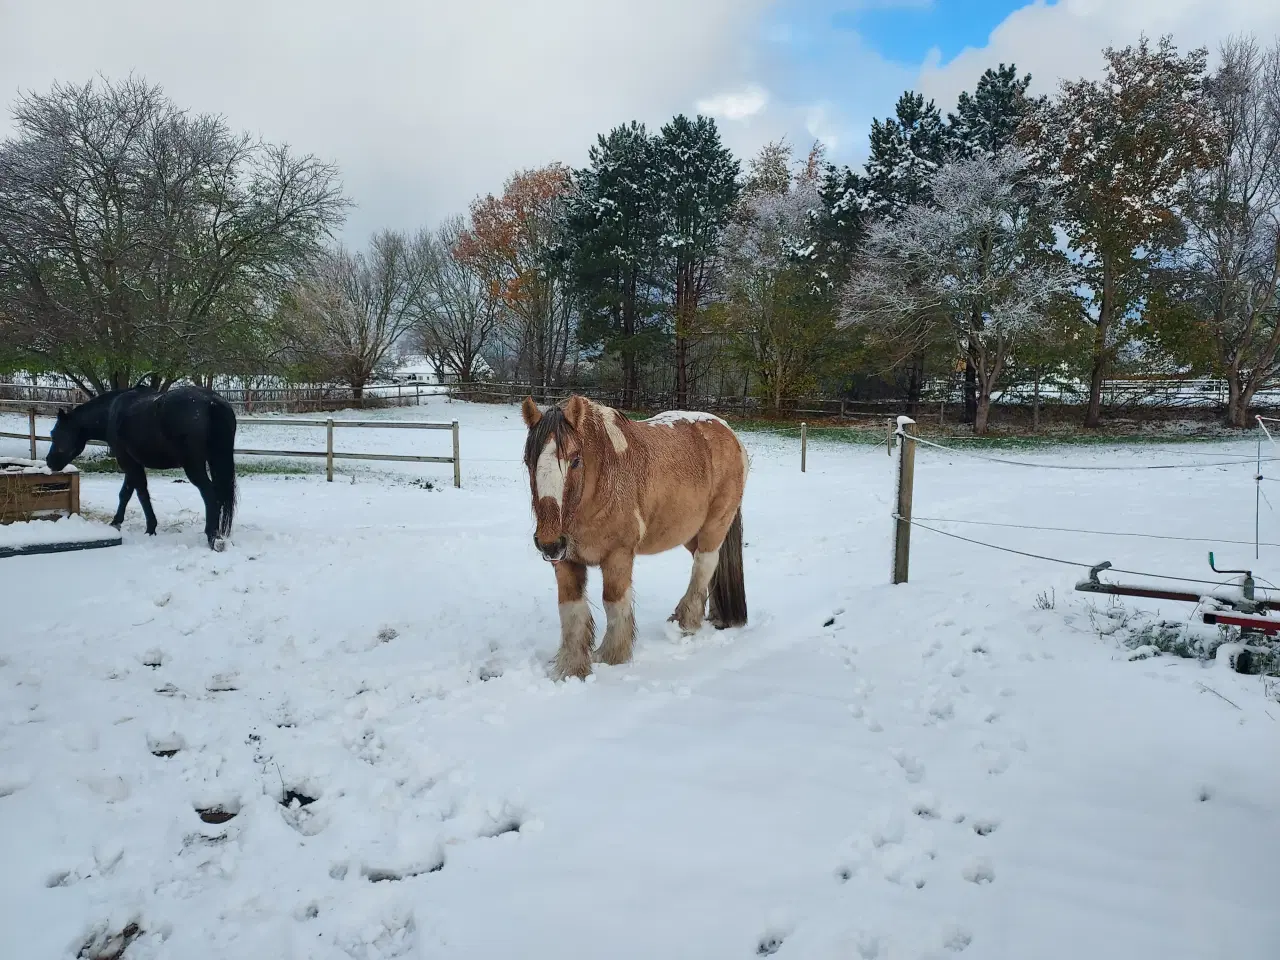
(512, 241)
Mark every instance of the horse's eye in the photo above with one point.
(575, 462)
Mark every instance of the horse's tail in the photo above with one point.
(728, 592)
(222, 463)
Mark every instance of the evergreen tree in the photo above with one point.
(613, 229)
(697, 178)
(906, 150)
(987, 120)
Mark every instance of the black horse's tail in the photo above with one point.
(728, 593)
(222, 463)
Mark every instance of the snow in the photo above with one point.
(72, 529)
(669, 417)
(12, 465)
(863, 771)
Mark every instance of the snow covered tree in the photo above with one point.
(136, 237)
(906, 149)
(974, 266)
(779, 313)
(1125, 148)
(344, 318)
(989, 119)
(1230, 264)
(514, 241)
(456, 312)
(698, 187)
(612, 233)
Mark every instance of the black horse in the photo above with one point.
(185, 427)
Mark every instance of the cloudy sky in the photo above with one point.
(426, 103)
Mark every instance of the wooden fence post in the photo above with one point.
(804, 443)
(457, 460)
(906, 482)
(31, 418)
(328, 450)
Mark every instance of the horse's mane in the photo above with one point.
(552, 424)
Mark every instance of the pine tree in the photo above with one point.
(906, 149)
(612, 239)
(698, 187)
(987, 120)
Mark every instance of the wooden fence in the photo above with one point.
(329, 453)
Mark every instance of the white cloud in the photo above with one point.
(422, 103)
(740, 105)
(1065, 40)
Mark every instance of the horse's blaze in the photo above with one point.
(549, 482)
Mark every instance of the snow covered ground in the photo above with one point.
(869, 772)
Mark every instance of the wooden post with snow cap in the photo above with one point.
(328, 450)
(902, 502)
(457, 460)
(804, 443)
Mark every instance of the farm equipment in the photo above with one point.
(1223, 606)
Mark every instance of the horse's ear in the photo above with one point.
(575, 412)
(62, 413)
(529, 410)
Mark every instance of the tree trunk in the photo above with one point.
(970, 391)
(1239, 398)
(1093, 414)
(915, 383)
(1035, 405)
(357, 390)
(981, 413)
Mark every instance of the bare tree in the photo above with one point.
(1232, 257)
(975, 266)
(457, 310)
(138, 238)
(344, 318)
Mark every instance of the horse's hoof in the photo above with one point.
(218, 545)
(151, 533)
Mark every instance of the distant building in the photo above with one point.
(415, 368)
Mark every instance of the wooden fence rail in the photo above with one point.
(329, 453)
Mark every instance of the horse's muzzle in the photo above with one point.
(554, 551)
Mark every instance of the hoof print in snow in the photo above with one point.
(769, 944)
(166, 745)
(62, 878)
(294, 799)
(980, 871)
(308, 912)
(844, 874)
(958, 940)
(155, 659)
(1203, 794)
(222, 683)
(507, 823)
(218, 813)
(984, 828)
(382, 874)
(169, 690)
(338, 871)
(106, 945)
(295, 803)
(387, 634)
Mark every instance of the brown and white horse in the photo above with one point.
(606, 488)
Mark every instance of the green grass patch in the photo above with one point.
(244, 468)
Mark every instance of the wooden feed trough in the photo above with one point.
(29, 491)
